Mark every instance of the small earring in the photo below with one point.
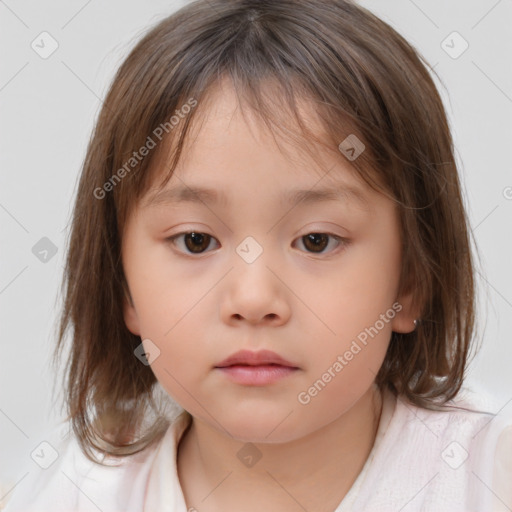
(416, 322)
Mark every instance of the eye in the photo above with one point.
(317, 242)
(194, 241)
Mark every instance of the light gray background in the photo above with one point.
(48, 107)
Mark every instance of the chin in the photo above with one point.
(264, 428)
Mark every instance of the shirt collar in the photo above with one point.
(163, 492)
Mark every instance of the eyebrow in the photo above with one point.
(195, 194)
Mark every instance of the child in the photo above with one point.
(269, 230)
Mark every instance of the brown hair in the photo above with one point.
(365, 80)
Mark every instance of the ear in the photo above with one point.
(130, 314)
(403, 321)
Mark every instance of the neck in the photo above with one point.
(314, 472)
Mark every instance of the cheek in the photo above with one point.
(165, 292)
(168, 305)
(334, 392)
(353, 297)
(343, 373)
(179, 367)
(356, 304)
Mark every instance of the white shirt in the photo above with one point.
(422, 460)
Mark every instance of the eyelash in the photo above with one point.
(340, 240)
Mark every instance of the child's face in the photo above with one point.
(327, 307)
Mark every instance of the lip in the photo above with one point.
(250, 358)
(256, 368)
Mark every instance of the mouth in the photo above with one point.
(256, 368)
(260, 358)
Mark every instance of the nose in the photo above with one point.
(255, 294)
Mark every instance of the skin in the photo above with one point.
(307, 306)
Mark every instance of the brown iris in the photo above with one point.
(316, 241)
(197, 242)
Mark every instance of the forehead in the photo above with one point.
(228, 143)
(225, 128)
